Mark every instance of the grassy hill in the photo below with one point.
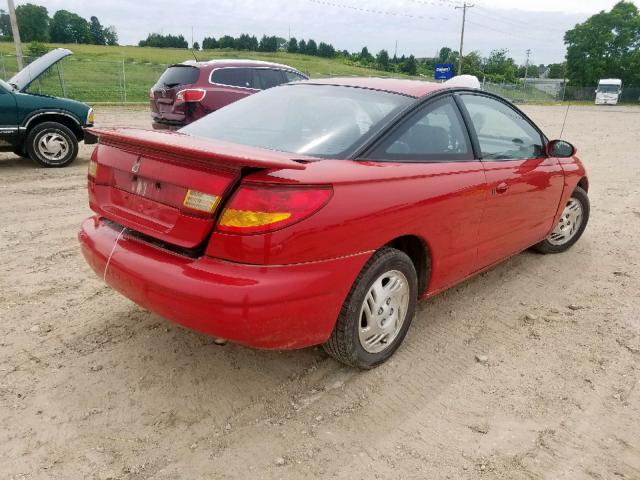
(107, 74)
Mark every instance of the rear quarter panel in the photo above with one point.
(373, 203)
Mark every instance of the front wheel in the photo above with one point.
(52, 144)
(571, 225)
(378, 311)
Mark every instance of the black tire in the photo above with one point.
(344, 344)
(547, 246)
(65, 137)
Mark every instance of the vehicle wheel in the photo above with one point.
(572, 223)
(378, 311)
(51, 144)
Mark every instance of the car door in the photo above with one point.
(524, 184)
(441, 187)
(229, 84)
(8, 118)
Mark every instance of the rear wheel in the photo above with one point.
(571, 225)
(52, 144)
(378, 311)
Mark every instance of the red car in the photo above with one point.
(188, 91)
(319, 212)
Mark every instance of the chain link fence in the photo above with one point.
(545, 91)
(107, 81)
(92, 81)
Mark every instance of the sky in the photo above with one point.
(420, 27)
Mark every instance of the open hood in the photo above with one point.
(32, 72)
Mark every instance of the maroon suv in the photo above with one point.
(188, 91)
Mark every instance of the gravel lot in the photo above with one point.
(92, 386)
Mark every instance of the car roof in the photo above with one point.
(412, 88)
(230, 62)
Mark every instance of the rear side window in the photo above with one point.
(293, 76)
(434, 133)
(178, 75)
(269, 78)
(235, 77)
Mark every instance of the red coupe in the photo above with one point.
(319, 212)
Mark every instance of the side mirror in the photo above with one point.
(560, 149)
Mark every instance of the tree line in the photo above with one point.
(35, 25)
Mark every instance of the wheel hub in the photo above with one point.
(383, 311)
(568, 225)
(53, 146)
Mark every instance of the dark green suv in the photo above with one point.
(46, 129)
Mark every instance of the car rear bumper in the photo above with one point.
(272, 307)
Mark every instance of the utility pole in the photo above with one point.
(16, 34)
(526, 68)
(464, 7)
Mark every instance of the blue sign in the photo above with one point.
(444, 71)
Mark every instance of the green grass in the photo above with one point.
(95, 73)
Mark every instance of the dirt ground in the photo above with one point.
(92, 386)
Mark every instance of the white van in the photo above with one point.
(608, 92)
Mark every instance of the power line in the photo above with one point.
(372, 10)
(515, 22)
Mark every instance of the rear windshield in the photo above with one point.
(178, 75)
(316, 120)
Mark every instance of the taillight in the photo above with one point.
(190, 95)
(93, 169)
(261, 209)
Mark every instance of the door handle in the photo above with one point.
(502, 187)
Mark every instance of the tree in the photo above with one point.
(5, 26)
(499, 67)
(312, 47)
(246, 42)
(67, 27)
(164, 41)
(33, 23)
(472, 64)
(444, 55)
(365, 56)
(226, 42)
(326, 50)
(97, 32)
(268, 44)
(302, 46)
(209, 43)
(409, 66)
(606, 45)
(556, 70)
(196, 46)
(111, 35)
(382, 59)
(292, 46)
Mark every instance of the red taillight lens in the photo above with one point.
(191, 95)
(261, 209)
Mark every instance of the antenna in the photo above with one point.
(564, 122)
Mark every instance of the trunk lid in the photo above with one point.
(35, 69)
(170, 185)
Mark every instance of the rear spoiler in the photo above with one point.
(182, 146)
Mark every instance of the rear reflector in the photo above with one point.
(190, 95)
(202, 202)
(261, 209)
(93, 168)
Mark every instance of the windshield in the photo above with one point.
(608, 88)
(316, 120)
